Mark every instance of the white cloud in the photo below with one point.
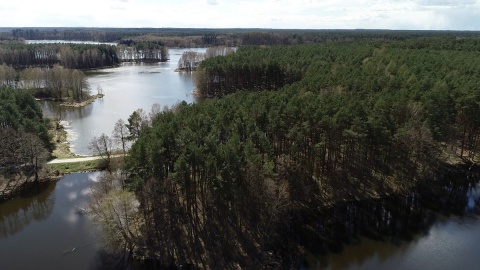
(72, 196)
(446, 3)
(316, 14)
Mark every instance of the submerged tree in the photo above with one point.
(190, 60)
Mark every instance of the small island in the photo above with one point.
(84, 103)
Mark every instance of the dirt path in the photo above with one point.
(71, 160)
(78, 159)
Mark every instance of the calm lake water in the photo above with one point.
(449, 244)
(446, 242)
(127, 88)
(37, 232)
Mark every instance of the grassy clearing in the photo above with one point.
(59, 169)
(73, 167)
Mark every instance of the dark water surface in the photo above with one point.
(37, 232)
(432, 228)
(449, 244)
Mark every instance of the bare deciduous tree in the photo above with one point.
(116, 211)
(102, 146)
(154, 112)
(34, 152)
(120, 135)
(190, 60)
(22, 151)
(59, 115)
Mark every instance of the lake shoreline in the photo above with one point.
(66, 103)
(26, 185)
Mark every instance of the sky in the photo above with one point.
(278, 14)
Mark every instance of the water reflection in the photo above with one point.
(45, 228)
(430, 228)
(17, 214)
(45, 231)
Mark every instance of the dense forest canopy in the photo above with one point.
(24, 139)
(20, 111)
(237, 181)
(438, 74)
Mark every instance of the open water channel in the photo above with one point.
(45, 231)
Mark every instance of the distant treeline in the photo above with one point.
(271, 37)
(202, 37)
(78, 34)
(78, 56)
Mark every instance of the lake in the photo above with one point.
(448, 244)
(127, 88)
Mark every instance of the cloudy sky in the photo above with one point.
(305, 14)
